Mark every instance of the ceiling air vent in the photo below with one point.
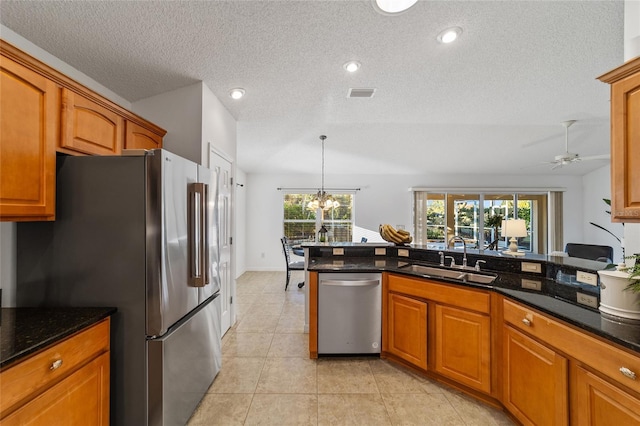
(361, 93)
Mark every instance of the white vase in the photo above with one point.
(614, 298)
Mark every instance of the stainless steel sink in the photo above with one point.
(436, 272)
(479, 278)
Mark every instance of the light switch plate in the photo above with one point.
(403, 253)
(586, 299)
(338, 252)
(381, 251)
(587, 278)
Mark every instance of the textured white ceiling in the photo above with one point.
(493, 102)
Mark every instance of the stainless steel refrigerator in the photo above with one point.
(138, 233)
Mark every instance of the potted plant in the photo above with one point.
(620, 290)
(494, 222)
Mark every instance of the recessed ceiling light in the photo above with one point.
(236, 93)
(393, 6)
(352, 66)
(449, 35)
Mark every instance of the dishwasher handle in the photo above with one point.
(350, 283)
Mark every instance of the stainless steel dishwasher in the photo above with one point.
(349, 313)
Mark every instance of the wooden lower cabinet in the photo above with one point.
(29, 127)
(65, 384)
(597, 402)
(535, 380)
(407, 329)
(81, 399)
(463, 346)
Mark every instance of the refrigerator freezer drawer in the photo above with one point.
(182, 365)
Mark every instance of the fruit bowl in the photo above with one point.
(399, 237)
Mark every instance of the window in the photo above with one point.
(302, 223)
(477, 217)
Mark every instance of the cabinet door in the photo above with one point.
(625, 141)
(138, 137)
(535, 381)
(82, 399)
(28, 134)
(463, 346)
(407, 329)
(597, 402)
(89, 128)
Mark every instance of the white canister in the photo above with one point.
(615, 299)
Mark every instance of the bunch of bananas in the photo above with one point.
(396, 236)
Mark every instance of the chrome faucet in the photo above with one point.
(464, 247)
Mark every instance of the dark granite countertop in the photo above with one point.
(547, 295)
(24, 331)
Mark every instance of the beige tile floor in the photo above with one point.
(267, 377)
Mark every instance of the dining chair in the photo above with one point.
(291, 266)
(590, 251)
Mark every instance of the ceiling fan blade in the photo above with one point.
(596, 157)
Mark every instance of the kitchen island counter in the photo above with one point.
(548, 295)
(24, 331)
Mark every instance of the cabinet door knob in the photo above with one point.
(56, 364)
(628, 373)
(526, 322)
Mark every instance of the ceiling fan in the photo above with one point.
(569, 157)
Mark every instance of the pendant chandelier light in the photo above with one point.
(322, 200)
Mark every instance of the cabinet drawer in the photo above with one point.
(475, 300)
(604, 357)
(33, 375)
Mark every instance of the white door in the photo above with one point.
(222, 168)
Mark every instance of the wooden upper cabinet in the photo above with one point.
(29, 125)
(625, 141)
(88, 127)
(139, 137)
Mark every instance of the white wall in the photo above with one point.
(179, 112)
(382, 199)
(240, 225)
(218, 127)
(596, 186)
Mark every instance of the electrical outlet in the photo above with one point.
(381, 251)
(338, 252)
(403, 253)
(380, 263)
(532, 284)
(585, 299)
(587, 278)
(531, 267)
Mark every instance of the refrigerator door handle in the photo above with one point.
(205, 232)
(196, 237)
